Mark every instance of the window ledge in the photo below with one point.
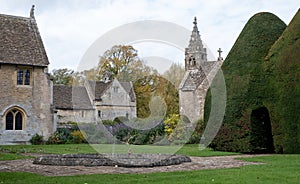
(24, 86)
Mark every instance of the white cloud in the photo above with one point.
(69, 27)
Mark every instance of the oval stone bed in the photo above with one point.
(116, 160)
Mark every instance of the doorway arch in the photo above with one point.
(261, 137)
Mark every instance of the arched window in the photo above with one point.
(9, 121)
(14, 120)
(18, 121)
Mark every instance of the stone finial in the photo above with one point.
(32, 12)
(195, 29)
(195, 21)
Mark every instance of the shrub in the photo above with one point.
(78, 137)
(37, 139)
(130, 135)
(171, 123)
(177, 131)
(61, 136)
(121, 119)
(108, 122)
(197, 133)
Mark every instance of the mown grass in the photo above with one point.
(12, 156)
(190, 150)
(277, 169)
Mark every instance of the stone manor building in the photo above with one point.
(95, 101)
(25, 88)
(199, 72)
(30, 104)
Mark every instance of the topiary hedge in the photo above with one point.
(246, 83)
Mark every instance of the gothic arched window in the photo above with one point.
(14, 120)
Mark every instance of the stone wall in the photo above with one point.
(79, 116)
(193, 91)
(116, 102)
(34, 101)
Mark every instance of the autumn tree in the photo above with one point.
(62, 76)
(117, 60)
(151, 86)
(122, 62)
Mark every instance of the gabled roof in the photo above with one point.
(193, 78)
(98, 88)
(71, 97)
(129, 89)
(20, 42)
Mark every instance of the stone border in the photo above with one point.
(117, 160)
(198, 163)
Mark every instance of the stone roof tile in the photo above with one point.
(20, 42)
(71, 97)
(129, 89)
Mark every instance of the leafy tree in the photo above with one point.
(122, 61)
(175, 74)
(117, 60)
(154, 85)
(62, 76)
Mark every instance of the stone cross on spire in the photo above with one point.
(220, 51)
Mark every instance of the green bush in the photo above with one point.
(37, 139)
(78, 137)
(121, 119)
(140, 137)
(61, 136)
(108, 122)
(197, 133)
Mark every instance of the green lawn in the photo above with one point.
(277, 168)
(11, 156)
(191, 150)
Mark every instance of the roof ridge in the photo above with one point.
(15, 16)
(38, 40)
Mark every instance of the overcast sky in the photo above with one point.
(69, 27)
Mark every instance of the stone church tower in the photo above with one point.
(195, 54)
(198, 74)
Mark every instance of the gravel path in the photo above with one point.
(198, 163)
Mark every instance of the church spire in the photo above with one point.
(195, 37)
(195, 54)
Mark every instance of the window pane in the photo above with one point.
(20, 77)
(19, 121)
(9, 121)
(27, 77)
